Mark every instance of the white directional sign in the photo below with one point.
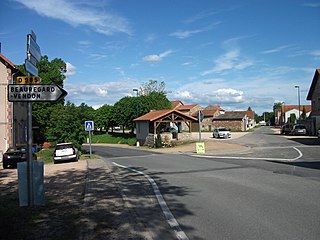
(89, 125)
(35, 93)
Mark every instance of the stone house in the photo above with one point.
(189, 110)
(215, 107)
(206, 124)
(314, 97)
(234, 120)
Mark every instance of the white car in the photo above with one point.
(221, 133)
(65, 152)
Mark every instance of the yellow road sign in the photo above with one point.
(200, 148)
(28, 80)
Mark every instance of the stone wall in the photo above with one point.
(237, 125)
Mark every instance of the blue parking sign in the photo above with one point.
(89, 125)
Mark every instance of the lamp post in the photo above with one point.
(298, 87)
(137, 103)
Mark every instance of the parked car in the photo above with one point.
(286, 129)
(65, 152)
(299, 129)
(14, 155)
(221, 133)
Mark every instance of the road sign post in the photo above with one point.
(28, 90)
(35, 93)
(89, 126)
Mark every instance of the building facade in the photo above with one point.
(13, 116)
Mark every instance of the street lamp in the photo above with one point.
(137, 105)
(298, 87)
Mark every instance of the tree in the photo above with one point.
(67, 124)
(49, 72)
(292, 118)
(304, 113)
(104, 117)
(152, 86)
(249, 109)
(153, 101)
(124, 112)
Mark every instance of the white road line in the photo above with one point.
(300, 153)
(254, 158)
(173, 223)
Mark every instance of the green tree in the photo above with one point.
(292, 118)
(50, 72)
(153, 101)
(124, 112)
(104, 117)
(304, 113)
(67, 123)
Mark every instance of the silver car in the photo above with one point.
(299, 129)
(221, 133)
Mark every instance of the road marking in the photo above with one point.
(173, 223)
(253, 158)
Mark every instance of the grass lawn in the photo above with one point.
(114, 138)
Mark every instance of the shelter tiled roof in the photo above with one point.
(156, 114)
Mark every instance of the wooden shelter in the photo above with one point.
(165, 122)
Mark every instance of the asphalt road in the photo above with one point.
(271, 191)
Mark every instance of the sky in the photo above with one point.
(236, 54)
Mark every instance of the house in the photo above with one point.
(189, 110)
(13, 117)
(287, 110)
(215, 107)
(176, 103)
(235, 120)
(314, 97)
(159, 122)
(206, 123)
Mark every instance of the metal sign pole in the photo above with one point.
(29, 162)
(199, 120)
(90, 145)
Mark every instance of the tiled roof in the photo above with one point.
(7, 61)
(250, 114)
(211, 107)
(186, 107)
(156, 114)
(206, 113)
(313, 84)
(234, 115)
(176, 103)
(286, 108)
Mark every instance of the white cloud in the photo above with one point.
(79, 14)
(182, 34)
(157, 57)
(315, 54)
(230, 60)
(275, 50)
(228, 95)
(313, 5)
(71, 70)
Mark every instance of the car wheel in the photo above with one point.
(54, 162)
